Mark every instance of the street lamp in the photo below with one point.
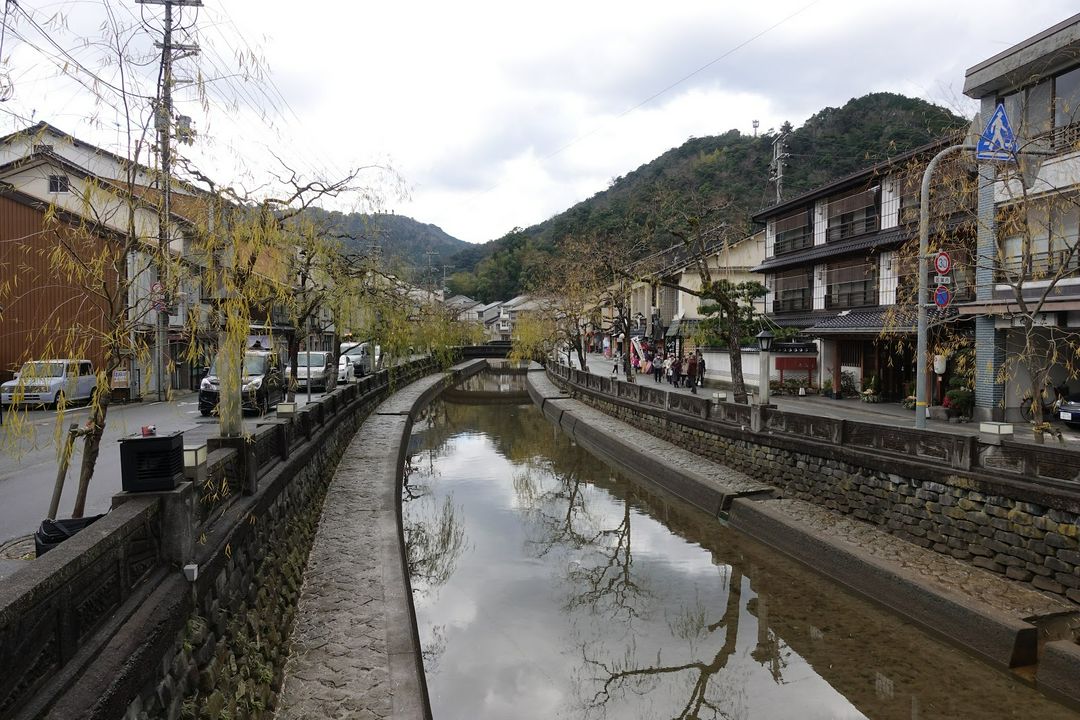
(921, 409)
(764, 341)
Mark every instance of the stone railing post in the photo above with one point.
(177, 507)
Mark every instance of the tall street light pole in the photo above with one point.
(921, 298)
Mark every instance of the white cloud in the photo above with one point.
(503, 114)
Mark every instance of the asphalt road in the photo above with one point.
(28, 456)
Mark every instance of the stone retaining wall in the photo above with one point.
(1016, 527)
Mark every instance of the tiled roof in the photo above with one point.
(874, 320)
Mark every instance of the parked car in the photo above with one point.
(314, 369)
(1068, 410)
(364, 360)
(51, 382)
(348, 366)
(261, 384)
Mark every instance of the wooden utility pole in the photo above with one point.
(163, 123)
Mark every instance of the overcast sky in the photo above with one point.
(501, 114)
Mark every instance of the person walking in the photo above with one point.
(700, 369)
(676, 371)
(658, 367)
(691, 372)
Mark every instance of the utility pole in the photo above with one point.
(430, 274)
(776, 167)
(163, 123)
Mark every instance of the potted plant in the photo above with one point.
(959, 400)
(847, 385)
(909, 402)
(871, 390)
(826, 388)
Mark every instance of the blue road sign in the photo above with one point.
(998, 141)
(942, 296)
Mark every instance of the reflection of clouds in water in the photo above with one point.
(514, 650)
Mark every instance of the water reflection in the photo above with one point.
(568, 592)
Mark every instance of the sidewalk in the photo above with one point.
(890, 414)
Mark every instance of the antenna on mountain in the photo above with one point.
(756, 124)
(779, 158)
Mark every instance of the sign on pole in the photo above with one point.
(942, 263)
(943, 279)
(998, 141)
(942, 296)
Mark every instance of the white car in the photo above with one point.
(50, 382)
(313, 368)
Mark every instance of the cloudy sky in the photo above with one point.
(493, 114)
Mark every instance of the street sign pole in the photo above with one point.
(921, 408)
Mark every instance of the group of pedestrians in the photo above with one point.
(687, 370)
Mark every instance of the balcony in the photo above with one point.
(1041, 266)
(853, 294)
(791, 300)
(844, 226)
(792, 241)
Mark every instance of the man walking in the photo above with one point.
(700, 380)
(691, 373)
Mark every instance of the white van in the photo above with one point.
(51, 382)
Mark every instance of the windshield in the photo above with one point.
(42, 369)
(253, 365)
(311, 359)
(356, 350)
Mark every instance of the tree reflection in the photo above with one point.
(555, 500)
(614, 678)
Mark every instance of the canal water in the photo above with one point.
(548, 586)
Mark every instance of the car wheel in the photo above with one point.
(204, 412)
(59, 399)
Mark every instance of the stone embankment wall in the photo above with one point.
(107, 625)
(954, 495)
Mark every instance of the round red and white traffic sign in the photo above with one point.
(942, 263)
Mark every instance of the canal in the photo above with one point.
(548, 586)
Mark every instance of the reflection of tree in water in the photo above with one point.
(434, 540)
(555, 501)
(706, 696)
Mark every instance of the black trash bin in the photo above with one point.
(53, 532)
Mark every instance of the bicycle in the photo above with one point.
(1049, 409)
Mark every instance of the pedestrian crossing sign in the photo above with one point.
(998, 141)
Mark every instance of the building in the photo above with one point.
(66, 201)
(1026, 311)
(840, 268)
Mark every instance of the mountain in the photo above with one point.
(732, 168)
(405, 243)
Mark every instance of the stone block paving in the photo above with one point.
(346, 657)
(946, 573)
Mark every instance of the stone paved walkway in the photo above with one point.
(354, 650)
(941, 571)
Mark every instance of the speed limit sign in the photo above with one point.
(942, 263)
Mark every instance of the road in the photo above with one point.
(28, 456)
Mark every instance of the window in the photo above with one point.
(791, 290)
(85, 369)
(1067, 98)
(853, 215)
(851, 284)
(794, 232)
(58, 184)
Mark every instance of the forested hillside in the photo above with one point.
(405, 244)
(731, 169)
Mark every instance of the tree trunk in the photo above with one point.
(628, 368)
(294, 363)
(738, 385)
(580, 347)
(91, 447)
